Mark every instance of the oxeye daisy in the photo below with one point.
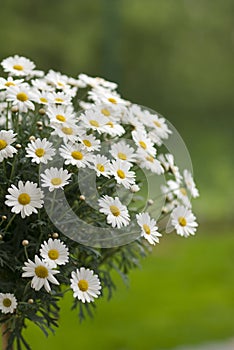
(184, 222)
(144, 142)
(76, 154)
(54, 252)
(6, 139)
(149, 162)
(25, 199)
(190, 184)
(85, 285)
(180, 192)
(94, 121)
(61, 114)
(41, 272)
(105, 96)
(101, 165)
(6, 83)
(90, 142)
(18, 65)
(149, 230)
(41, 151)
(120, 170)
(21, 97)
(42, 97)
(55, 178)
(60, 98)
(159, 126)
(8, 303)
(117, 213)
(114, 129)
(69, 133)
(86, 80)
(121, 150)
(167, 162)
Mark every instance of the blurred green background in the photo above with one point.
(176, 57)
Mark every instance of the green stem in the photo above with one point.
(10, 222)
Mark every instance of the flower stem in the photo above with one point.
(5, 337)
(9, 223)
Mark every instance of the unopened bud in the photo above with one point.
(55, 235)
(25, 242)
(39, 123)
(42, 111)
(18, 146)
(150, 202)
(32, 138)
(4, 217)
(82, 197)
(30, 301)
(14, 109)
(134, 188)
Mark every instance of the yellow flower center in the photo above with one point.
(7, 302)
(150, 159)
(121, 174)
(9, 83)
(22, 96)
(105, 112)
(67, 131)
(122, 156)
(182, 221)
(156, 123)
(110, 124)
(146, 229)
(43, 100)
(60, 84)
(87, 143)
(40, 152)
(3, 144)
(100, 167)
(24, 199)
(114, 210)
(94, 123)
(77, 155)
(18, 67)
(83, 285)
(142, 144)
(112, 100)
(59, 100)
(53, 254)
(56, 181)
(183, 191)
(41, 271)
(60, 118)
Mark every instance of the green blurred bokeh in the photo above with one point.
(176, 57)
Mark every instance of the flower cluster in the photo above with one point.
(81, 123)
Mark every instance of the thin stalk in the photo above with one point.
(6, 333)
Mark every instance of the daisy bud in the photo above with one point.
(1, 237)
(42, 111)
(134, 188)
(40, 128)
(18, 145)
(150, 202)
(55, 235)
(39, 123)
(82, 197)
(32, 138)
(14, 109)
(4, 217)
(25, 243)
(30, 301)
(99, 187)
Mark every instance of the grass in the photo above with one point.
(182, 295)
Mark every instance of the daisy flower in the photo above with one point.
(8, 303)
(85, 80)
(61, 98)
(113, 129)
(142, 141)
(55, 178)
(41, 151)
(61, 114)
(190, 184)
(21, 97)
(76, 154)
(149, 230)
(121, 150)
(149, 162)
(6, 83)
(69, 133)
(167, 162)
(85, 285)
(120, 170)
(42, 97)
(90, 142)
(184, 222)
(58, 80)
(105, 96)
(18, 65)
(159, 126)
(54, 252)
(41, 272)
(180, 192)
(92, 120)
(101, 165)
(6, 139)
(25, 199)
(117, 213)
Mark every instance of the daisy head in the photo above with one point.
(143, 141)
(190, 184)
(41, 273)
(76, 154)
(6, 139)
(117, 213)
(18, 66)
(85, 285)
(55, 178)
(41, 151)
(122, 174)
(25, 199)
(54, 252)
(8, 303)
(90, 142)
(122, 151)
(101, 165)
(183, 220)
(149, 230)
(91, 119)
(21, 97)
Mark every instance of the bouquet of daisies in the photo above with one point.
(77, 165)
